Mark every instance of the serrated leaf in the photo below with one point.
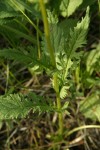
(66, 25)
(76, 40)
(52, 18)
(58, 35)
(28, 56)
(18, 105)
(63, 92)
(15, 55)
(12, 107)
(57, 39)
(90, 107)
(78, 35)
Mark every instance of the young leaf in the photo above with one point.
(63, 92)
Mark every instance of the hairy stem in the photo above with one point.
(53, 61)
(47, 33)
(56, 87)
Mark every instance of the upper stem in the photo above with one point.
(47, 33)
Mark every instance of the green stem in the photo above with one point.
(56, 87)
(60, 116)
(53, 61)
(47, 33)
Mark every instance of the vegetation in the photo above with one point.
(50, 74)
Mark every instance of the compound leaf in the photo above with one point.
(18, 105)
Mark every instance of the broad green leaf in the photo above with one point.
(90, 107)
(58, 34)
(64, 7)
(66, 25)
(68, 7)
